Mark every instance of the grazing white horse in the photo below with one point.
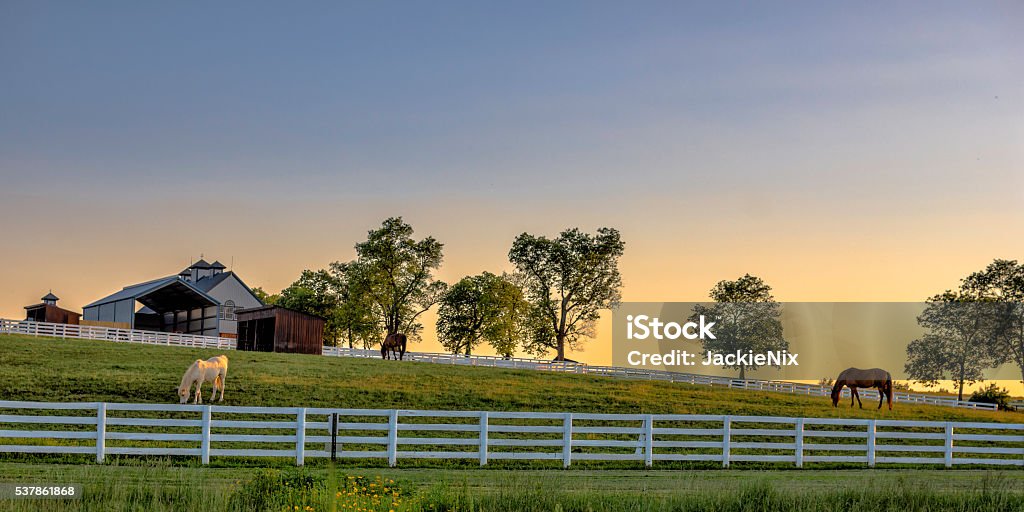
(214, 369)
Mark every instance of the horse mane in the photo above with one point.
(838, 386)
(190, 375)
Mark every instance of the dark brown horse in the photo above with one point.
(854, 378)
(395, 344)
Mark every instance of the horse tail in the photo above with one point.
(888, 388)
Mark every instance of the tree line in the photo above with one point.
(551, 301)
(977, 327)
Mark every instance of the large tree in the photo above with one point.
(569, 279)
(746, 317)
(396, 276)
(480, 308)
(1002, 282)
(957, 343)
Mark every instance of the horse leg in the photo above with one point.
(199, 393)
(222, 377)
(216, 385)
(859, 403)
(881, 396)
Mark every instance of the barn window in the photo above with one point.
(227, 311)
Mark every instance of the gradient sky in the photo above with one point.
(846, 152)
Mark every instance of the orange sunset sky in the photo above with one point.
(839, 154)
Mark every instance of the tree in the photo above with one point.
(354, 315)
(514, 325)
(480, 308)
(315, 293)
(1002, 282)
(396, 276)
(266, 298)
(746, 317)
(569, 280)
(957, 343)
(466, 310)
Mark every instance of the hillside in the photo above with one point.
(78, 370)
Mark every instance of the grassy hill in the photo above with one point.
(78, 370)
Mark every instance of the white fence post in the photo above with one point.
(483, 438)
(649, 440)
(300, 437)
(101, 431)
(726, 439)
(871, 443)
(204, 449)
(949, 444)
(393, 438)
(567, 440)
(799, 442)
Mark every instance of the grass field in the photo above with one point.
(78, 370)
(174, 488)
(57, 370)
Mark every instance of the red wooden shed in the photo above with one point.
(278, 329)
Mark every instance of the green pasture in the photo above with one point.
(82, 371)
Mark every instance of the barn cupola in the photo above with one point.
(217, 267)
(50, 299)
(201, 269)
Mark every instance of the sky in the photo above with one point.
(842, 152)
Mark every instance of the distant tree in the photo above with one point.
(746, 317)
(992, 394)
(569, 280)
(466, 310)
(354, 316)
(266, 298)
(1002, 282)
(315, 293)
(957, 343)
(396, 276)
(480, 308)
(514, 325)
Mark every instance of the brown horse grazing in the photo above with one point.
(395, 343)
(854, 378)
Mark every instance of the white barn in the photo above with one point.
(202, 299)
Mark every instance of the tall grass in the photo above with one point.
(166, 489)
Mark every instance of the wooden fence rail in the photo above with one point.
(65, 331)
(208, 431)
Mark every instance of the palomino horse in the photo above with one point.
(395, 343)
(214, 369)
(854, 378)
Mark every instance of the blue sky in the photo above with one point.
(498, 99)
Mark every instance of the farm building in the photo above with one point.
(278, 329)
(201, 299)
(48, 311)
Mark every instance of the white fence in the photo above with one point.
(204, 431)
(666, 376)
(87, 332)
(188, 340)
